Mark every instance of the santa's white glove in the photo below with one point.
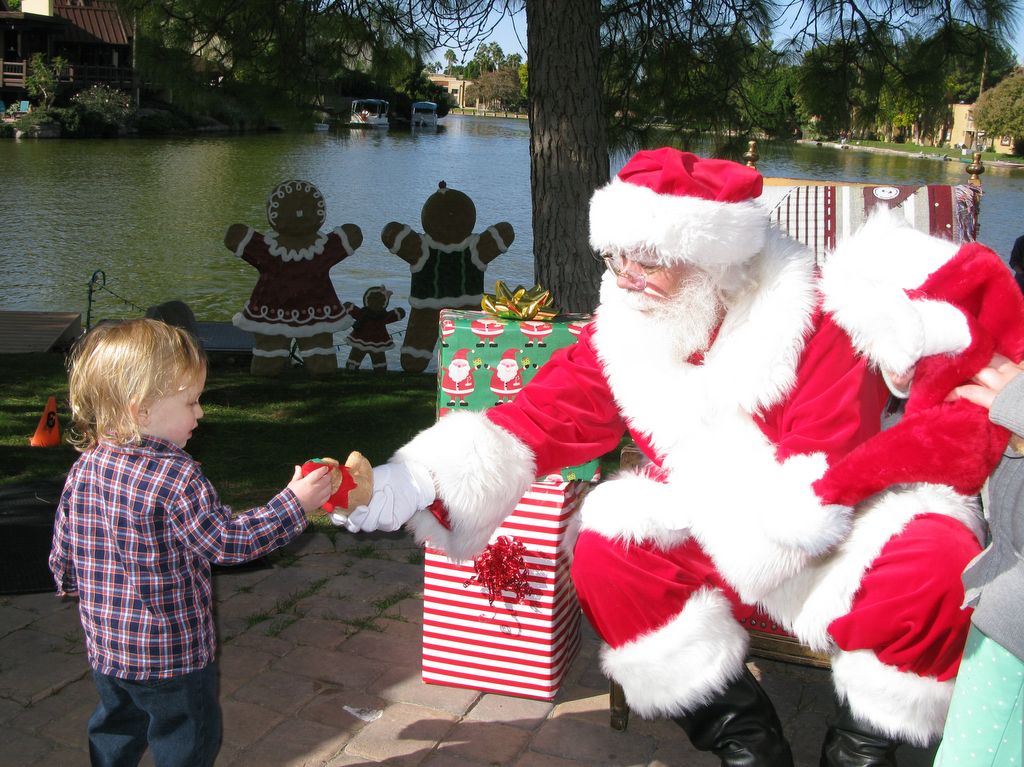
(399, 491)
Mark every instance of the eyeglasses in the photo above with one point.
(637, 274)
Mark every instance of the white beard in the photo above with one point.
(688, 317)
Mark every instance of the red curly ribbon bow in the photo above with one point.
(500, 568)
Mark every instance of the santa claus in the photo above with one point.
(536, 332)
(457, 380)
(506, 381)
(754, 387)
(487, 330)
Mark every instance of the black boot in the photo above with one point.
(740, 727)
(849, 743)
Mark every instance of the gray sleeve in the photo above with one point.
(1008, 407)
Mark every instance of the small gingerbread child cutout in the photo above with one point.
(447, 262)
(369, 334)
(293, 297)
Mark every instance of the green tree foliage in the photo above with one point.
(1000, 111)
(823, 89)
(500, 89)
(43, 78)
(296, 53)
(680, 60)
(765, 95)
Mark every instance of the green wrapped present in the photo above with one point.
(484, 360)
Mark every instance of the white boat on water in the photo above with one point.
(424, 114)
(369, 113)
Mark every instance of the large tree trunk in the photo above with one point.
(568, 145)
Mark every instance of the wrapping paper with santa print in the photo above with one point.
(522, 641)
(484, 361)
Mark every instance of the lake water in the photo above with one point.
(151, 213)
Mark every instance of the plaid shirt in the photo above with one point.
(135, 532)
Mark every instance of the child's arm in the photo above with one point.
(208, 527)
(59, 561)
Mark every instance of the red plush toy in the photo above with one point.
(351, 484)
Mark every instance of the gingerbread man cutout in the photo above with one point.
(447, 262)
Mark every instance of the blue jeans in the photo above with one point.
(179, 718)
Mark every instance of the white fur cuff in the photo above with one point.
(903, 705)
(480, 472)
(633, 508)
(685, 663)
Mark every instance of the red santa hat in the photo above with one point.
(667, 207)
(461, 355)
(509, 354)
(948, 443)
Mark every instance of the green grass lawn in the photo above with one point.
(255, 429)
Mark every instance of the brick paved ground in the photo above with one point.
(333, 628)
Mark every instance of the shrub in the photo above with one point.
(156, 122)
(103, 111)
(38, 121)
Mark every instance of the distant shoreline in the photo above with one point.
(914, 152)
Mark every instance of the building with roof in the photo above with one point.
(90, 35)
(966, 134)
(455, 87)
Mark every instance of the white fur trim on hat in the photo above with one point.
(627, 217)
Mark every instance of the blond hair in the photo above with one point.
(117, 367)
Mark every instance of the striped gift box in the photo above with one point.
(510, 647)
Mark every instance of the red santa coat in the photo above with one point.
(741, 439)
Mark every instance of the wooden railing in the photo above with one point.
(13, 74)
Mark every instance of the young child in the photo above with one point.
(136, 529)
(985, 717)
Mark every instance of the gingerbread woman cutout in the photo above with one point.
(293, 297)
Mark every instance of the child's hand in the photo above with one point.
(312, 490)
(988, 382)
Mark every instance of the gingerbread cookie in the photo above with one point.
(351, 484)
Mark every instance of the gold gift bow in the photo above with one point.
(518, 304)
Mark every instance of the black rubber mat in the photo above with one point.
(26, 530)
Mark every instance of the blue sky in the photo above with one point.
(505, 36)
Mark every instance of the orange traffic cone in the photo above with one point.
(48, 431)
